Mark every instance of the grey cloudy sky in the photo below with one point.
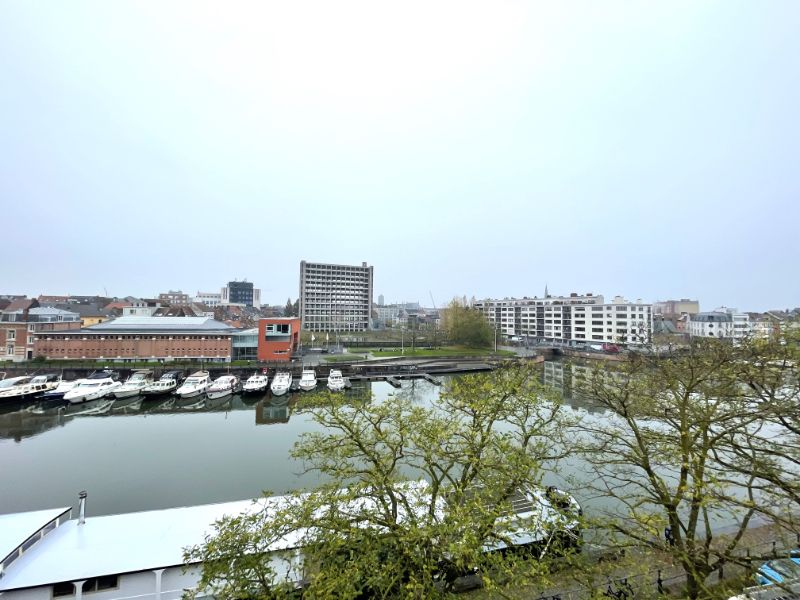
(637, 148)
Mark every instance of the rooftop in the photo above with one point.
(153, 324)
(15, 529)
(106, 545)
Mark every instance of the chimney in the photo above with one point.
(82, 508)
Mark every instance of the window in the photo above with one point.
(30, 339)
(11, 334)
(64, 588)
(98, 584)
(10, 350)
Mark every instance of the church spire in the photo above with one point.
(546, 294)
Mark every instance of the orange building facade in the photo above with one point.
(278, 338)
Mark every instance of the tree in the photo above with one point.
(288, 309)
(412, 495)
(466, 325)
(681, 451)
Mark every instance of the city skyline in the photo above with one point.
(483, 150)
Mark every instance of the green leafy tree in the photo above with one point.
(682, 449)
(372, 527)
(466, 326)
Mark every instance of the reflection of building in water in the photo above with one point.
(571, 379)
(268, 413)
(24, 423)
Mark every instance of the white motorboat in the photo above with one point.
(168, 383)
(308, 380)
(335, 380)
(195, 385)
(255, 383)
(97, 385)
(224, 386)
(62, 388)
(281, 383)
(135, 384)
(30, 387)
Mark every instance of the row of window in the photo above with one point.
(95, 584)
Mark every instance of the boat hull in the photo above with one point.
(254, 389)
(127, 393)
(307, 387)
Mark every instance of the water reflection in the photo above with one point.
(568, 378)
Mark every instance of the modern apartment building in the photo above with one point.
(573, 318)
(335, 297)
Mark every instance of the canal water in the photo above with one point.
(133, 455)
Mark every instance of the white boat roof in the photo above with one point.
(18, 527)
(109, 545)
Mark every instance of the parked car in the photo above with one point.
(780, 570)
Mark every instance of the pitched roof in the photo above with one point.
(22, 304)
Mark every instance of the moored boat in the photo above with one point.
(62, 388)
(28, 388)
(335, 380)
(281, 383)
(94, 387)
(167, 384)
(195, 385)
(224, 386)
(308, 380)
(256, 383)
(135, 384)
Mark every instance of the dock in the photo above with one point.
(431, 379)
(394, 381)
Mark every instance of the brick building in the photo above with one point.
(21, 321)
(278, 338)
(142, 338)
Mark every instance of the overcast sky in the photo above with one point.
(644, 149)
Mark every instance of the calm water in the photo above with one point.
(133, 456)
(156, 454)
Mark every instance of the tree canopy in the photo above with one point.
(466, 326)
(411, 496)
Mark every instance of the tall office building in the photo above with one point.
(335, 297)
(241, 292)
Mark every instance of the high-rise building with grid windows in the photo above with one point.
(335, 297)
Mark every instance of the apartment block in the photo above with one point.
(335, 297)
(574, 318)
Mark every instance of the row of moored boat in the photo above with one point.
(105, 383)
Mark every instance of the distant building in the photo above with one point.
(241, 293)
(20, 322)
(90, 314)
(380, 300)
(675, 308)
(129, 339)
(172, 297)
(141, 308)
(723, 323)
(210, 299)
(278, 338)
(335, 297)
(571, 319)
